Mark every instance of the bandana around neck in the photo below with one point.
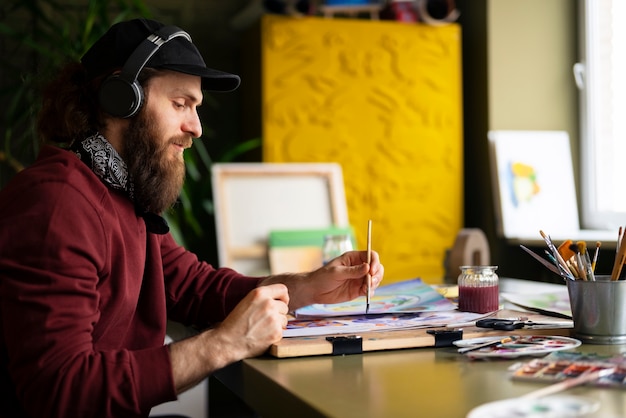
(108, 165)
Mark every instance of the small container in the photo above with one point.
(334, 246)
(478, 289)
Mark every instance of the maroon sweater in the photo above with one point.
(85, 293)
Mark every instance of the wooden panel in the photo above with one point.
(383, 99)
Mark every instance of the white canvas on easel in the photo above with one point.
(534, 187)
(252, 199)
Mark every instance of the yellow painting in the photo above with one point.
(382, 99)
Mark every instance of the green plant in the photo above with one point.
(37, 38)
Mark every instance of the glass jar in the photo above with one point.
(478, 289)
(334, 246)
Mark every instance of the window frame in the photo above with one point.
(593, 141)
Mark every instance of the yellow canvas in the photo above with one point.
(383, 99)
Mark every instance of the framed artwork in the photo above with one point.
(533, 183)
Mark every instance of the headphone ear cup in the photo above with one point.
(119, 97)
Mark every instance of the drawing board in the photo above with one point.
(369, 323)
(314, 345)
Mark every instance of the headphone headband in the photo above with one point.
(147, 48)
(120, 94)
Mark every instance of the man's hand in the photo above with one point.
(341, 280)
(256, 323)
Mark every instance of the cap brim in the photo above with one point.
(212, 80)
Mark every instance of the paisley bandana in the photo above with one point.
(108, 165)
(105, 162)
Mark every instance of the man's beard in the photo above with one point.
(157, 181)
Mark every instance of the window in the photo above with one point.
(601, 78)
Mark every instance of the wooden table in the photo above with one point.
(419, 382)
(424, 382)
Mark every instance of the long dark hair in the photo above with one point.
(70, 110)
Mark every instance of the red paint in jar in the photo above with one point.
(478, 289)
(479, 299)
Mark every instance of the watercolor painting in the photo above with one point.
(409, 296)
(533, 175)
(522, 182)
(549, 303)
(369, 323)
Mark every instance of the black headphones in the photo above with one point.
(120, 94)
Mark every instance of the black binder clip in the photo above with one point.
(346, 344)
(446, 337)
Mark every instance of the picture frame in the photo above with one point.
(533, 184)
(253, 199)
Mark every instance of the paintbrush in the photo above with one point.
(578, 260)
(584, 254)
(489, 344)
(595, 256)
(553, 268)
(572, 271)
(369, 260)
(556, 254)
(620, 256)
(565, 249)
(588, 376)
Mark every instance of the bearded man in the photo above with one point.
(89, 273)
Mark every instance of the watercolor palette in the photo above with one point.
(561, 366)
(547, 407)
(522, 345)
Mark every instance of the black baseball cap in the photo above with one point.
(113, 49)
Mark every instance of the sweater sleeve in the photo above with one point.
(209, 296)
(52, 279)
